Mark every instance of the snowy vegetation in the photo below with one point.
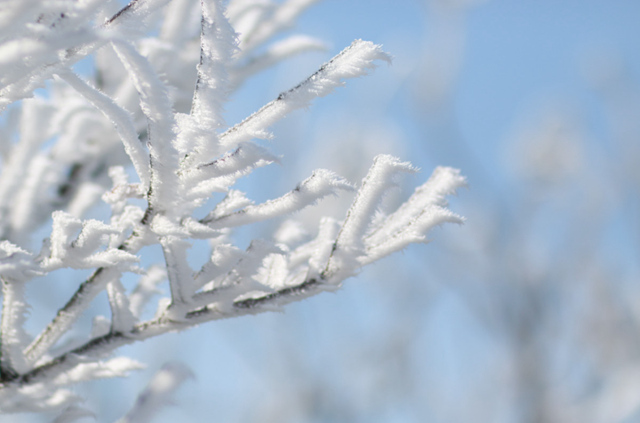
(145, 134)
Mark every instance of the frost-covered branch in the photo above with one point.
(352, 62)
(121, 121)
(155, 106)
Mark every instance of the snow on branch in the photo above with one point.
(352, 62)
(217, 47)
(91, 136)
(379, 179)
(157, 108)
(121, 120)
(425, 209)
(308, 192)
(134, 13)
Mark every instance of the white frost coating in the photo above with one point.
(20, 85)
(415, 232)
(16, 267)
(248, 155)
(37, 398)
(55, 171)
(77, 39)
(64, 321)
(203, 189)
(414, 218)
(100, 326)
(14, 337)
(164, 226)
(156, 106)
(223, 258)
(65, 227)
(198, 230)
(11, 53)
(157, 393)
(35, 45)
(16, 263)
(217, 47)
(379, 179)
(178, 271)
(122, 319)
(243, 278)
(431, 195)
(21, 156)
(220, 174)
(351, 62)
(248, 266)
(121, 120)
(318, 251)
(82, 372)
(79, 252)
(274, 272)
(121, 190)
(320, 184)
(131, 18)
(234, 200)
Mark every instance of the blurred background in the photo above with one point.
(530, 312)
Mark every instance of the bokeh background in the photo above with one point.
(530, 312)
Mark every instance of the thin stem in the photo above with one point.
(80, 300)
(104, 344)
